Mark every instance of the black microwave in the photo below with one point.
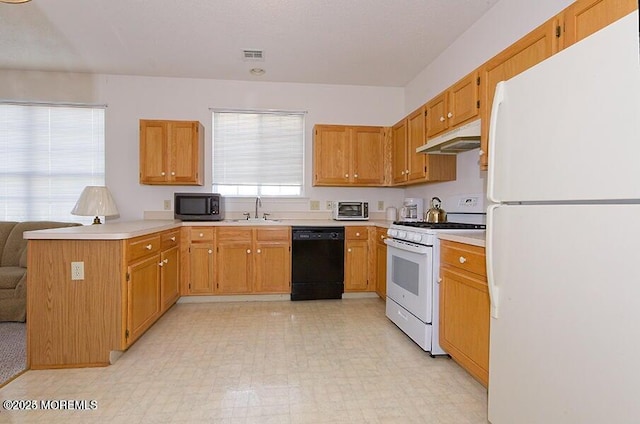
(198, 207)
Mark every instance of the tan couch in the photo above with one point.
(13, 266)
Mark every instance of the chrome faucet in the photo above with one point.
(258, 201)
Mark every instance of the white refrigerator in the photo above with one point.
(563, 236)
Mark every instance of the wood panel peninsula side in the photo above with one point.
(130, 280)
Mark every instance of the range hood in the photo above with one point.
(461, 139)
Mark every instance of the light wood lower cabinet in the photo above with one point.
(381, 262)
(127, 286)
(237, 260)
(356, 259)
(464, 307)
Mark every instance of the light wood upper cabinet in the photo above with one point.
(457, 105)
(584, 17)
(171, 152)
(348, 155)
(464, 307)
(409, 167)
(530, 50)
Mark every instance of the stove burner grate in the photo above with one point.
(443, 225)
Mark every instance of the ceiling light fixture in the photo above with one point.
(14, 1)
(257, 71)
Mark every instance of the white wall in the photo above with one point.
(500, 27)
(132, 98)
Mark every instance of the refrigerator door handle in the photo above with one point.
(491, 281)
(493, 128)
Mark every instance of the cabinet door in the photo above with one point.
(381, 263)
(234, 260)
(399, 164)
(416, 137)
(584, 17)
(184, 152)
(436, 115)
(464, 320)
(331, 155)
(533, 48)
(153, 152)
(143, 297)
(201, 275)
(169, 278)
(356, 265)
(273, 267)
(463, 100)
(367, 153)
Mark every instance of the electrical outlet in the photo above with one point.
(329, 205)
(77, 270)
(380, 205)
(314, 205)
(167, 205)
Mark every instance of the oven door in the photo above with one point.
(410, 277)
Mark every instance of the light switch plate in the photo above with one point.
(380, 205)
(314, 205)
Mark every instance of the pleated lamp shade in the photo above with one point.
(95, 201)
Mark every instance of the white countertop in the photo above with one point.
(475, 238)
(129, 229)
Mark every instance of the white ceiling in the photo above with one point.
(362, 42)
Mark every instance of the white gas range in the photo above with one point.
(413, 269)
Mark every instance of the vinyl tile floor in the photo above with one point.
(326, 361)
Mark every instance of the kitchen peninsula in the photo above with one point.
(93, 291)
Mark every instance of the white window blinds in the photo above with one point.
(258, 153)
(48, 154)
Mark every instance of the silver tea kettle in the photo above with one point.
(436, 214)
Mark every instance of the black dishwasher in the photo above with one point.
(317, 263)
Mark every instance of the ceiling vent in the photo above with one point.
(253, 55)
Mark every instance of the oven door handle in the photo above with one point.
(407, 246)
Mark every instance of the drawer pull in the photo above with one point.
(201, 235)
(462, 259)
(148, 247)
(357, 234)
(210, 251)
(349, 250)
(248, 250)
(258, 251)
(161, 263)
(166, 261)
(173, 238)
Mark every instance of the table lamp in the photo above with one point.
(95, 201)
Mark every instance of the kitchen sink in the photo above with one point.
(255, 220)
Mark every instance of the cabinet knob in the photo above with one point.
(201, 235)
(148, 247)
(173, 173)
(439, 279)
(462, 259)
(406, 171)
(357, 234)
(449, 115)
(346, 175)
(349, 250)
(402, 173)
(163, 173)
(442, 119)
(248, 250)
(382, 237)
(173, 238)
(355, 175)
(481, 152)
(166, 261)
(160, 263)
(210, 251)
(258, 251)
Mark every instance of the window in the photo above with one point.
(48, 154)
(258, 153)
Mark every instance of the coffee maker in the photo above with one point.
(412, 209)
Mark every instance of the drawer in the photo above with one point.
(273, 234)
(140, 247)
(202, 234)
(463, 256)
(356, 233)
(240, 234)
(169, 240)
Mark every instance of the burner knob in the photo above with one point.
(416, 237)
(402, 234)
(392, 233)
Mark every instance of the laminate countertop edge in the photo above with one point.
(130, 229)
(475, 238)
